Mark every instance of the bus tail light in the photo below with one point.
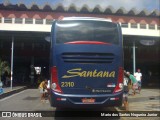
(54, 76)
(119, 86)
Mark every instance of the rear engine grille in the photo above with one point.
(88, 58)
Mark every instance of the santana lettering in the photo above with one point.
(79, 72)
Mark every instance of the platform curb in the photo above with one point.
(12, 92)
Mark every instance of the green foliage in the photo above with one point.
(4, 67)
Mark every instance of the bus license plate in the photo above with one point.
(88, 100)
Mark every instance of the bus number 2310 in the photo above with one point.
(67, 84)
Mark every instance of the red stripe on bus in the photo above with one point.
(88, 42)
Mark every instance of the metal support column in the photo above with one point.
(134, 57)
(32, 71)
(12, 52)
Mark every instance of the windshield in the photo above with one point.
(85, 30)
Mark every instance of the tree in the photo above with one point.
(4, 67)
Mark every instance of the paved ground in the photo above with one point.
(28, 100)
(147, 100)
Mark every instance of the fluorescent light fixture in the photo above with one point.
(48, 38)
(148, 42)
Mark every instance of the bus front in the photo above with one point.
(86, 63)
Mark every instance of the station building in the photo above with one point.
(24, 30)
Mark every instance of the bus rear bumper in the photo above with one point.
(75, 101)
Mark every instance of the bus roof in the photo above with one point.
(87, 18)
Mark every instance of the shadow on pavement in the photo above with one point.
(140, 99)
(85, 114)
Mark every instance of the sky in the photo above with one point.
(139, 5)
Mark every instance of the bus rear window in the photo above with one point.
(84, 30)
